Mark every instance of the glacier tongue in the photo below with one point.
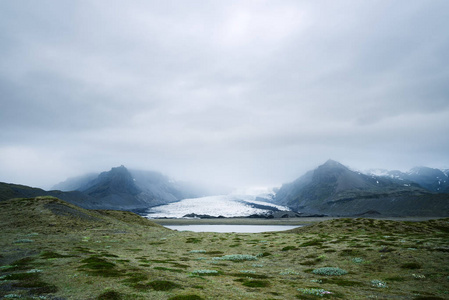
(223, 205)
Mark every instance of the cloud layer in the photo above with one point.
(233, 92)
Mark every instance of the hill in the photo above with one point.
(50, 249)
(9, 191)
(45, 214)
(334, 189)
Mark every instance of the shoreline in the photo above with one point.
(283, 221)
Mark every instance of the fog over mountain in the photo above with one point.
(236, 93)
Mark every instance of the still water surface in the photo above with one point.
(231, 228)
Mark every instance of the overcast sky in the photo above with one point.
(241, 93)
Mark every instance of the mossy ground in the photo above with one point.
(114, 255)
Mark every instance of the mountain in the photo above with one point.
(76, 183)
(334, 189)
(114, 189)
(125, 189)
(433, 180)
(117, 189)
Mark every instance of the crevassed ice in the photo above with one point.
(223, 205)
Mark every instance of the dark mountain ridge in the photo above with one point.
(334, 189)
(117, 189)
(434, 180)
(9, 191)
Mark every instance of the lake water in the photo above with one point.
(232, 228)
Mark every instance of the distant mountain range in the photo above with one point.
(118, 189)
(331, 189)
(334, 189)
(433, 180)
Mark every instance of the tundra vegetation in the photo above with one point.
(50, 249)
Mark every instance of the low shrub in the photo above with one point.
(357, 260)
(236, 257)
(23, 241)
(378, 283)
(197, 251)
(314, 292)
(205, 272)
(288, 272)
(330, 271)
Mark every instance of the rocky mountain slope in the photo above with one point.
(120, 188)
(434, 180)
(334, 189)
(117, 189)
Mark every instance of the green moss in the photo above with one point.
(186, 297)
(312, 243)
(135, 278)
(395, 278)
(256, 283)
(110, 295)
(162, 285)
(193, 240)
(32, 282)
(341, 282)
(168, 269)
(350, 252)
(22, 276)
(22, 264)
(52, 254)
(411, 266)
(244, 275)
(428, 298)
(98, 266)
(287, 248)
(308, 262)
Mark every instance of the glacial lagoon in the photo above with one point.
(231, 228)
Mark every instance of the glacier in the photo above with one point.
(232, 205)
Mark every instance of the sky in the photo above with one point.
(239, 93)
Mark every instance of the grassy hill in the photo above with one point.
(50, 249)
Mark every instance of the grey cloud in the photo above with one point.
(239, 92)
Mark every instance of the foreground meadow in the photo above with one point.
(53, 250)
